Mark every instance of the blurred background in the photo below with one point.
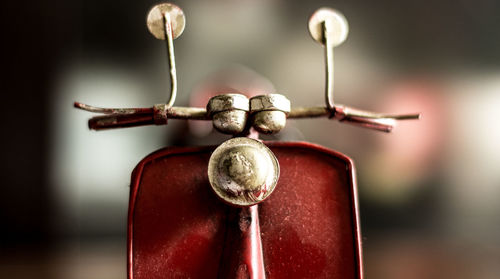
(429, 191)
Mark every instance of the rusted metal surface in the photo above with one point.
(229, 113)
(132, 117)
(90, 108)
(269, 121)
(235, 121)
(120, 121)
(268, 112)
(269, 102)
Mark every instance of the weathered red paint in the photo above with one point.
(242, 255)
(177, 228)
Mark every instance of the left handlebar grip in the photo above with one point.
(125, 117)
(112, 121)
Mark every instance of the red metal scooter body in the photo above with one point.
(177, 227)
(244, 210)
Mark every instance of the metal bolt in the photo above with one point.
(243, 171)
(229, 112)
(269, 112)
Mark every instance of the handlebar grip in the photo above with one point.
(383, 125)
(112, 121)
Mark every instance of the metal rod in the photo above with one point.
(298, 112)
(129, 117)
(171, 59)
(329, 86)
(345, 111)
(188, 113)
(110, 110)
(311, 112)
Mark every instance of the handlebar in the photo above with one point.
(159, 115)
(328, 27)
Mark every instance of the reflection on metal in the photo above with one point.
(167, 21)
(132, 117)
(243, 171)
(270, 102)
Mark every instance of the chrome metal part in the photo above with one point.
(243, 171)
(229, 113)
(269, 112)
(173, 112)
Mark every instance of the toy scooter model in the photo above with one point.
(245, 208)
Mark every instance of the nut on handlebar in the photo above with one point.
(269, 112)
(229, 113)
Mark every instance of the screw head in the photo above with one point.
(156, 23)
(337, 25)
(243, 171)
